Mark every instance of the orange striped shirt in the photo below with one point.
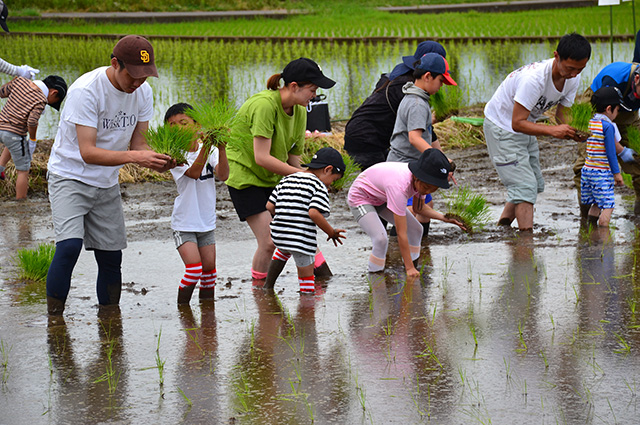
(24, 105)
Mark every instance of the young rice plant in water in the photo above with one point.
(34, 263)
(446, 102)
(174, 141)
(468, 207)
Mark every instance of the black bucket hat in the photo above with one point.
(57, 83)
(432, 167)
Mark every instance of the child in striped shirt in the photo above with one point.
(298, 204)
(601, 170)
(19, 118)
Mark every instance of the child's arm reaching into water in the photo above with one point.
(334, 234)
(427, 211)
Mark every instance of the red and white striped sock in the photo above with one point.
(307, 284)
(279, 255)
(191, 275)
(208, 280)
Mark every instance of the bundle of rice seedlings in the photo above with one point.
(468, 207)
(456, 135)
(216, 120)
(580, 115)
(174, 141)
(446, 102)
(34, 263)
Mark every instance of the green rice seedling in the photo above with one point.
(468, 207)
(4, 361)
(633, 138)
(580, 114)
(160, 362)
(110, 376)
(174, 141)
(350, 173)
(187, 399)
(446, 102)
(216, 121)
(34, 263)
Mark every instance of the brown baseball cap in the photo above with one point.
(137, 54)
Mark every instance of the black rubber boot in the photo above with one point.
(275, 268)
(592, 221)
(55, 307)
(584, 210)
(322, 270)
(184, 294)
(425, 227)
(114, 292)
(636, 207)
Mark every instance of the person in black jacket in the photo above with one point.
(368, 132)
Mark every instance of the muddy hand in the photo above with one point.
(337, 235)
(563, 131)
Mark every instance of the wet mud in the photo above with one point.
(501, 327)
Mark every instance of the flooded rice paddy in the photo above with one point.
(501, 328)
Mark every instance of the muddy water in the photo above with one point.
(501, 328)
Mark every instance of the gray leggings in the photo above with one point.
(368, 217)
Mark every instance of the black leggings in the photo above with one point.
(65, 259)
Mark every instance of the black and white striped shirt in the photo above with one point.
(292, 229)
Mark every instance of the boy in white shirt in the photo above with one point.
(194, 211)
(510, 126)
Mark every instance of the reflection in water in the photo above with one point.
(197, 365)
(97, 393)
(398, 342)
(280, 376)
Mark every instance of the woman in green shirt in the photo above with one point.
(276, 120)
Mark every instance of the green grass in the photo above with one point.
(34, 264)
(469, 207)
(351, 20)
(170, 140)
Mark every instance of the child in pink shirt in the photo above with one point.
(383, 191)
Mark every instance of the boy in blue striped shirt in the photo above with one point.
(601, 170)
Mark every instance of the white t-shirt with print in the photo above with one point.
(93, 101)
(194, 210)
(532, 87)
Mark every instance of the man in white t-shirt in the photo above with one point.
(101, 128)
(510, 125)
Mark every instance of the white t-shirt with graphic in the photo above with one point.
(532, 87)
(93, 101)
(194, 210)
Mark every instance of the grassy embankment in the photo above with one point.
(34, 7)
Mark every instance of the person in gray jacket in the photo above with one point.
(412, 133)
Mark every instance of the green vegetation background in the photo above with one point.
(353, 20)
(35, 6)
